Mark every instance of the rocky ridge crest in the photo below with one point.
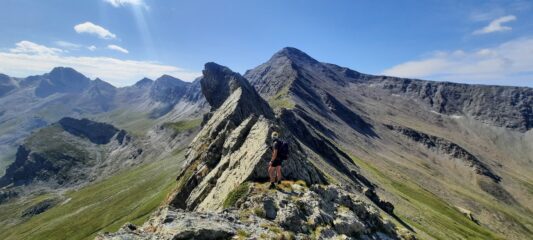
(226, 163)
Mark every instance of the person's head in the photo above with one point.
(275, 135)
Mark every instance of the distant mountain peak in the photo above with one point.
(167, 78)
(63, 80)
(144, 82)
(294, 55)
(64, 70)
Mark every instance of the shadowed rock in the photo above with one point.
(99, 133)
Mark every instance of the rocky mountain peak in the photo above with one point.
(295, 55)
(168, 89)
(219, 82)
(145, 82)
(169, 80)
(62, 80)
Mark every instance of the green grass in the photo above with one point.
(136, 123)
(129, 196)
(440, 220)
(184, 125)
(236, 194)
(281, 100)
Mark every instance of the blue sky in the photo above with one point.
(488, 42)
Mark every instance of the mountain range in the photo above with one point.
(402, 158)
(27, 104)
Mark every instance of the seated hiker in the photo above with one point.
(280, 152)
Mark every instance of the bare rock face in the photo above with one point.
(509, 107)
(233, 145)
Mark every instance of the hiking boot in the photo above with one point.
(272, 185)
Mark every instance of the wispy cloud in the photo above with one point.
(118, 72)
(117, 48)
(91, 48)
(511, 61)
(68, 45)
(496, 25)
(121, 3)
(91, 28)
(27, 47)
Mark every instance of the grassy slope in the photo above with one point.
(184, 125)
(281, 100)
(425, 211)
(129, 196)
(136, 123)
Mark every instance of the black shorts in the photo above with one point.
(276, 163)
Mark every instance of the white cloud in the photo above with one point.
(510, 62)
(496, 25)
(91, 28)
(68, 45)
(28, 47)
(91, 48)
(117, 48)
(120, 3)
(116, 71)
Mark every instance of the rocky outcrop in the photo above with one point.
(317, 210)
(96, 132)
(509, 107)
(233, 145)
(39, 208)
(449, 148)
(294, 211)
(7, 194)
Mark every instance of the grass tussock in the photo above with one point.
(238, 193)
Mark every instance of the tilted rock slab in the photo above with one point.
(233, 145)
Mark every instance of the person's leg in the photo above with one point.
(271, 173)
(278, 173)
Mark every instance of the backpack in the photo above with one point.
(283, 149)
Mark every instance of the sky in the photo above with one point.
(122, 41)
